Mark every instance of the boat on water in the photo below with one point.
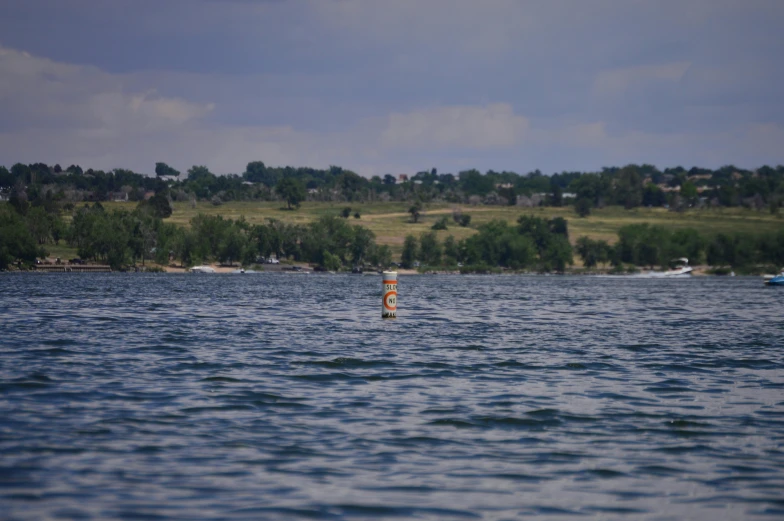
(681, 267)
(775, 280)
(202, 269)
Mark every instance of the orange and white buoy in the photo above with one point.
(389, 301)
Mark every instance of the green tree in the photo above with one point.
(381, 256)
(628, 187)
(39, 224)
(330, 262)
(473, 182)
(689, 192)
(451, 251)
(558, 254)
(361, 244)
(16, 242)
(592, 252)
(257, 172)
(291, 190)
(430, 249)
(415, 210)
(582, 206)
(441, 224)
(410, 252)
(233, 244)
(162, 169)
(158, 205)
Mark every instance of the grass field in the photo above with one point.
(391, 221)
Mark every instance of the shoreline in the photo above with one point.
(699, 271)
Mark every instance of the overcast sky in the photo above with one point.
(382, 86)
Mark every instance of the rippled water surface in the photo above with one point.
(285, 396)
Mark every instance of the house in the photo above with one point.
(402, 178)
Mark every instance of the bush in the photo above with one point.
(441, 224)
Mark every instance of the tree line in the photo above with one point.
(123, 238)
(534, 243)
(629, 186)
(644, 245)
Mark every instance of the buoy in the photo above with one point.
(389, 300)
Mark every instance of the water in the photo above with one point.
(285, 396)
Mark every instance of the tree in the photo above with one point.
(450, 250)
(257, 172)
(233, 244)
(582, 206)
(415, 210)
(558, 254)
(381, 256)
(429, 249)
(361, 244)
(474, 183)
(441, 224)
(556, 193)
(158, 204)
(653, 196)
(628, 187)
(592, 252)
(162, 169)
(689, 192)
(291, 190)
(39, 224)
(16, 242)
(410, 253)
(331, 262)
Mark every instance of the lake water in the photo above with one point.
(285, 396)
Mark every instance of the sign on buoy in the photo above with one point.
(389, 301)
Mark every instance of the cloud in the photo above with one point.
(617, 81)
(37, 92)
(381, 86)
(493, 125)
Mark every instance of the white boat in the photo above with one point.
(681, 268)
(202, 269)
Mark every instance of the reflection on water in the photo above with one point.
(279, 396)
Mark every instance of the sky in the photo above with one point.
(379, 86)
